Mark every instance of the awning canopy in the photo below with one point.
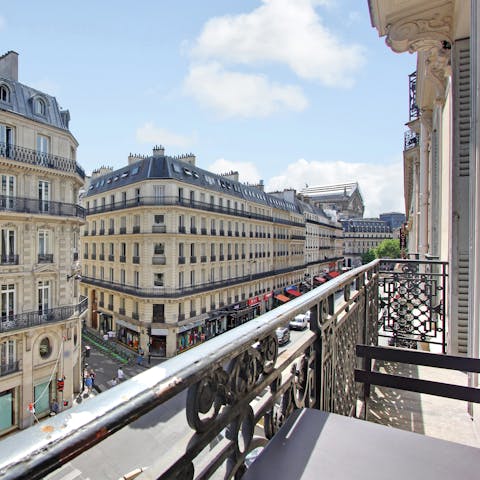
(320, 279)
(282, 298)
(334, 274)
(293, 292)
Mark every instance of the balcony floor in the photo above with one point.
(437, 417)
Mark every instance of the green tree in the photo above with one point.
(368, 256)
(389, 248)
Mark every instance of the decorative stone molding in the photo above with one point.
(421, 31)
(438, 66)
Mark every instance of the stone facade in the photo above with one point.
(173, 255)
(40, 337)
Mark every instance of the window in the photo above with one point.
(159, 219)
(136, 281)
(181, 251)
(39, 106)
(122, 276)
(7, 190)
(159, 249)
(43, 296)
(7, 139)
(43, 242)
(45, 348)
(43, 195)
(43, 149)
(112, 275)
(158, 279)
(7, 247)
(180, 280)
(4, 94)
(192, 278)
(136, 249)
(7, 299)
(8, 352)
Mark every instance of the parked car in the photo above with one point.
(300, 322)
(283, 335)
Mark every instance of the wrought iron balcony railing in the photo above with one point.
(9, 368)
(45, 258)
(175, 201)
(40, 317)
(235, 389)
(10, 259)
(41, 207)
(32, 157)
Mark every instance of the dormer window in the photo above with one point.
(40, 107)
(4, 94)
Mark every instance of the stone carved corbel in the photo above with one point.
(438, 66)
(421, 31)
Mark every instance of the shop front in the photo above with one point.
(8, 420)
(268, 299)
(254, 305)
(106, 322)
(190, 335)
(128, 334)
(158, 342)
(215, 325)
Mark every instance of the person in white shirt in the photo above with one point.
(120, 374)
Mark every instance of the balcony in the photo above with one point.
(9, 368)
(122, 258)
(375, 304)
(111, 231)
(135, 316)
(135, 260)
(159, 229)
(93, 233)
(101, 256)
(193, 230)
(40, 207)
(181, 260)
(35, 318)
(121, 311)
(47, 160)
(123, 230)
(203, 231)
(182, 229)
(203, 258)
(159, 260)
(93, 256)
(101, 231)
(193, 259)
(111, 258)
(45, 258)
(136, 229)
(10, 259)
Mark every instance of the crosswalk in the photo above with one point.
(67, 472)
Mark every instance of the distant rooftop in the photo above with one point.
(343, 189)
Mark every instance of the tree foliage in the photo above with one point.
(368, 256)
(389, 248)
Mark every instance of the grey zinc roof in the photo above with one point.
(22, 103)
(164, 167)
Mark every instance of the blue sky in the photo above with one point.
(293, 92)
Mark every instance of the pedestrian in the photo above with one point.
(113, 382)
(92, 376)
(54, 407)
(89, 384)
(120, 374)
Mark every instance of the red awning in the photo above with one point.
(282, 298)
(293, 292)
(334, 274)
(320, 279)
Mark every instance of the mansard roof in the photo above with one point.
(22, 102)
(166, 167)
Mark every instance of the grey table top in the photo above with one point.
(317, 445)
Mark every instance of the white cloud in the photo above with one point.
(248, 172)
(149, 133)
(381, 185)
(241, 94)
(285, 32)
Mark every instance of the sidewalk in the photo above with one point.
(105, 368)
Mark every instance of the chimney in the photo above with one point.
(158, 151)
(9, 65)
